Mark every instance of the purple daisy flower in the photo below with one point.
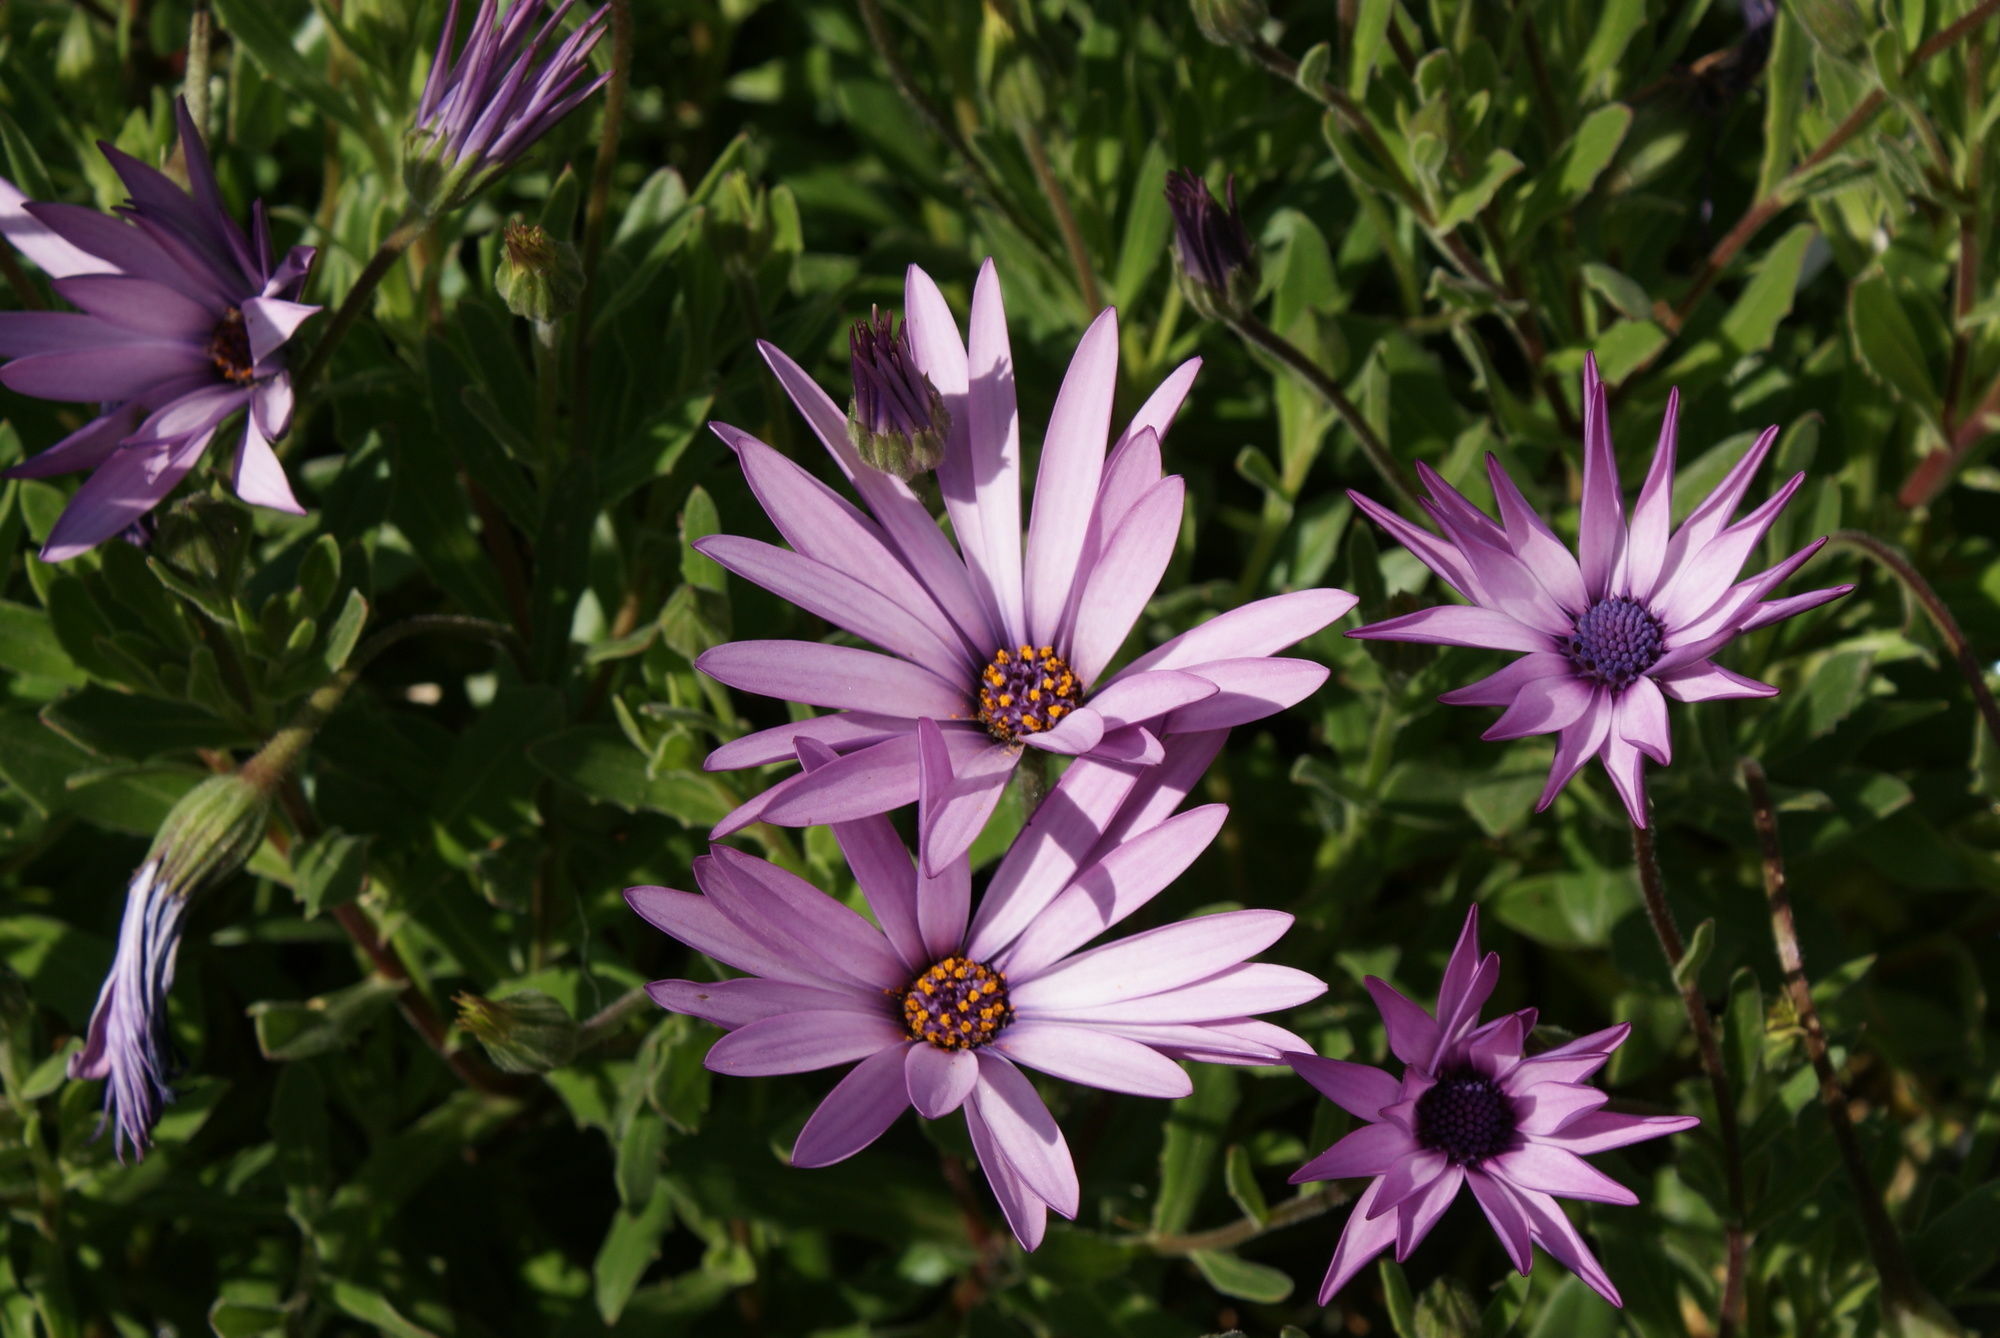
(481, 112)
(1003, 646)
(943, 1006)
(1610, 638)
(1473, 1109)
(181, 322)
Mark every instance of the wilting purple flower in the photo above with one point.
(1212, 247)
(182, 322)
(206, 836)
(1003, 648)
(943, 1005)
(1610, 639)
(506, 89)
(1473, 1109)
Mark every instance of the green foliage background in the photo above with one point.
(1454, 200)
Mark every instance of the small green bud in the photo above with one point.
(1447, 1309)
(539, 278)
(1231, 22)
(525, 1032)
(211, 833)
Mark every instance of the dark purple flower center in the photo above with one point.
(1615, 641)
(1025, 691)
(1465, 1116)
(229, 349)
(959, 1004)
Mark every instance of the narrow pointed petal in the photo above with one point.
(1358, 1089)
(842, 677)
(939, 1080)
(1543, 706)
(1535, 543)
(1264, 627)
(1410, 1175)
(1079, 732)
(1601, 531)
(1370, 1150)
(1712, 516)
(697, 922)
(1093, 1057)
(1441, 557)
(1602, 1131)
(144, 306)
(123, 373)
(86, 448)
(883, 868)
(1116, 590)
(1066, 481)
(858, 1110)
(52, 254)
(1132, 699)
(1554, 1233)
(737, 1003)
(1413, 1033)
(1365, 1236)
(1247, 690)
(843, 732)
(1642, 720)
(993, 433)
(1158, 412)
(1777, 610)
(1421, 1213)
(1508, 1219)
(1577, 745)
(1549, 1106)
(1705, 575)
(1707, 681)
(1238, 991)
(259, 478)
(958, 788)
(1027, 1215)
(1552, 1170)
(1458, 625)
(1646, 542)
(1626, 766)
(133, 481)
(1047, 853)
(1024, 1130)
(1150, 962)
(1469, 979)
(1501, 688)
(271, 321)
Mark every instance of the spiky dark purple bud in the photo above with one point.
(897, 420)
(1217, 263)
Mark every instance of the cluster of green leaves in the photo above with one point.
(1454, 200)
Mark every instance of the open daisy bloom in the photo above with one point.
(1608, 638)
(1004, 646)
(943, 1005)
(1473, 1109)
(182, 322)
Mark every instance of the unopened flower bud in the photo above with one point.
(1217, 263)
(526, 1032)
(1230, 22)
(539, 277)
(211, 833)
(897, 421)
(1447, 1309)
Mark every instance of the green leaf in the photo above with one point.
(118, 724)
(1397, 1299)
(1193, 1137)
(630, 1247)
(28, 646)
(640, 1153)
(1238, 1277)
(1619, 289)
(1500, 167)
(236, 1319)
(1766, 300)
(1579, 163)
(1743, 1040)
(1617, 22)
(345, 633)
(1784, 85)
(289, 1030)
(329, 870)
(598, 761)
(1367, 37)
(255, 26)
(1687, 971)
(1240, 1179)
(1147, 225)
(1887, 342)
(371, 1307)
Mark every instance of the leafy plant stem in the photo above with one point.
(358, 298)
(1651, 886)
(1253, 330)
(596, 213)
(1913, 581)
(1058, 198)
(600, 1026)
(1900, 1289)
(1289, 1213)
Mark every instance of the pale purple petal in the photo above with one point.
(1704, 576)
(1247, 690)
(133, 481)
(701, 925)
(1601, 530)
(96, 374)
(1468, 982)
(1503, 581)
(34, 239)
(1646, 541)
(1602, 1131)
(1092, 1057)
(1132, 746)
(86, 448)
(870, 780)
(883, 868)
(802, 1042)
(1106, 892)
(736, 1003)
(1505, 1214)
(1027, 1215)
(1261, 628)
(1554, 1233)
(258, 477)
(1025, 1132)
(1131, 699)
(1079, 732)
(1150, 962)
(939, 1081)
(960, 779)
(1411, 1174)
(1067, 478)
(1777, 610)
(994, 437)
(1707, 520)
(1417, 1216)
(1549, 1106)
(1047, 853)
(858, 1110)
(1254, 987)
(1642, 720)
(1577, 745)
(841, 733)
(786, 908)
(836, 676)
(1115, 590)
(1535, 543)
(1501, 688)
(1441, 557)
(1626, 766)
(145, 306)
(1359, 1089)
(1129, 474)
(1571, 1062)
(1157, 413)
(1369, 1150)
(1458, 625)
(1241, 1041)
(1542, 706)
(1707, 681)
(271, 321)
(271, 402)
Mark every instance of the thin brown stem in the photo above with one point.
(596, 214)
(1289, 1213)
(1058, 198)
(358, 299)
(422, 1017)
(1292, 356)
(1731, 1317)
(1939, 613)
(1900, 1290)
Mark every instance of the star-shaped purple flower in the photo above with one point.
(1005, 647)
(1473, 1110)
(1610, 638)
(181, 322)
(943, 1006)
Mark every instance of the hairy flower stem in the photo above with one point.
(1284, 350)
(596, 213)
(1730, 1319)
(1900, 1290)
(1899, 566)
(1289, 1213)
(358, 298)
